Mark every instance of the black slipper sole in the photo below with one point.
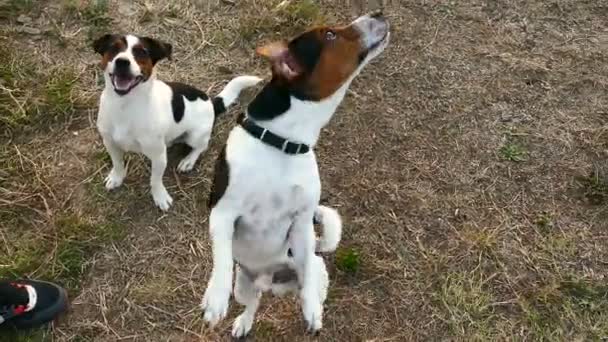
(39, 316)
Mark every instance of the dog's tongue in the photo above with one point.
(124, 82)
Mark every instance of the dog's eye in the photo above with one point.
(330, 35)
(114, 49)
(140, 52)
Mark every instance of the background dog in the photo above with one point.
(266, 189)
(140, 113)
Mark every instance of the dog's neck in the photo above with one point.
(292, 116)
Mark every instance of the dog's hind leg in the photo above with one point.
(199, 141)
(246, 294)
(302, 241)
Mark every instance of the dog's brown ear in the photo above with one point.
(157, 49)
(282, 60)
(103, 43)
(273, 50)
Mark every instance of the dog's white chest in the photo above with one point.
(124, 123)
(125, 139)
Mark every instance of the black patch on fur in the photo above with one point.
(180, 91)
(218, 105)
(363, 55)
(307, 50)
(157, 49)
(272, 101)
(103, 43)
(220, 179)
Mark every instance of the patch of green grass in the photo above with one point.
(513, 152)
(38, 335)
(265, 331)
(97, 18)
(544, 222)
(249, 29)
(448, 8)
(561, 309)
(17, 73)
(481, 239)
(71, 7)
(465, 304)
(30, 96)
(23, 258)
(11, 9)
(287, 19)
(595, 187)
(73, 228)
(305, 11)
(59, 252)
(70, 262)
(347, 260)
(172, 11)
(102, 158)
(58, 92)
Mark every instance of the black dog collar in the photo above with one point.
(272, 139)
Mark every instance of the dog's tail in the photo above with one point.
(231, 92)
(332, 228)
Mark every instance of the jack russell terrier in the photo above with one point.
(266, 189)
(139, 113)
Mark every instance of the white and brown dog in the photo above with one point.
(139, 113)
(266, 188)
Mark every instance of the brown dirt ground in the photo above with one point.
(468, 162)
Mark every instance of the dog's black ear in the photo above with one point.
(157, 49)
(103, 43)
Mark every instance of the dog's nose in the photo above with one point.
(122, 63)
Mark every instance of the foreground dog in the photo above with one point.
(140, 113)
(266, 189)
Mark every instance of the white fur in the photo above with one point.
(332, 228)
(142, 121)
(271, 196)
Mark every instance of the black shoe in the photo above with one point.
(26, 304)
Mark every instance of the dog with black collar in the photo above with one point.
(266, 189)
(139, 113)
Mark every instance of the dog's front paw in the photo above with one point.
(242, 325)
(114, 179)
(215, 304)
(162, 199)
(313, 314)
(187, 164)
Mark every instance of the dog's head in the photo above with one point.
(129, 60)
(319, 61)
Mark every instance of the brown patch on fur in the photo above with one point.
(314, 65)
(143, 59)
(339, 59)
(117, 45)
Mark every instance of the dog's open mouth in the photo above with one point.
(124, 83)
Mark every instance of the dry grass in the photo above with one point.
(469, 164)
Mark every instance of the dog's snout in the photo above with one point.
(122, 63)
